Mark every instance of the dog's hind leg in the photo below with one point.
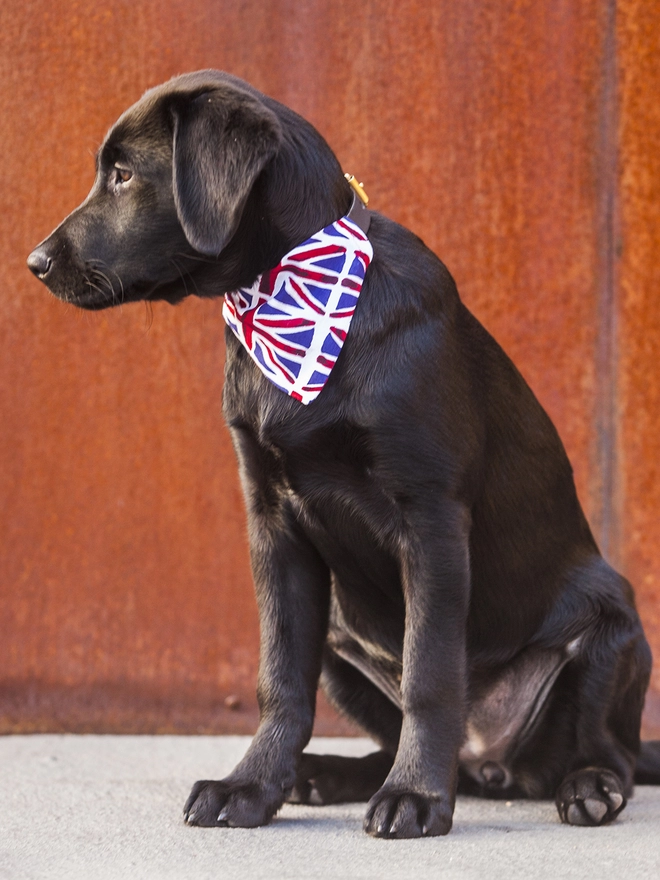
(337, 779)
(611, 678)
(332, 779)
(359, 699)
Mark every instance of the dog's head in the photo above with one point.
(182, 201)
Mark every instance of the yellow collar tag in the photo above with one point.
(358, 187)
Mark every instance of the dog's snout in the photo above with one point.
(40, 262)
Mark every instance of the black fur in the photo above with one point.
(416, 538)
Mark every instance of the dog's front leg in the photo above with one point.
(417, 798)
(293, 588)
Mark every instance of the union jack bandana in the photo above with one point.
(294, 319)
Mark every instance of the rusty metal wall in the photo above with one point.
(638, 317)
(519, 139)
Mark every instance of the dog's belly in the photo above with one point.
(504, 712)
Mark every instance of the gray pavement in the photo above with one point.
(98, 807)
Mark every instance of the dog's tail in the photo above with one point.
(647, 771)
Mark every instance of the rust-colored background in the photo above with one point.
(521, 140)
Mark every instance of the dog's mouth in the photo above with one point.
(94, 292)
(94, 300)
(95, 286)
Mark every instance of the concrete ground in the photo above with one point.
(98, 807)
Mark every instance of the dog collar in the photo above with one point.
(294, 319)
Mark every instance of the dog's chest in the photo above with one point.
(347, 512)
(327, 474)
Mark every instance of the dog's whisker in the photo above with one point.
(102, 275)
(96, 263)
(189, 276)
(183, 279)
(95, 286)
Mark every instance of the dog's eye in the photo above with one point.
(123, 175)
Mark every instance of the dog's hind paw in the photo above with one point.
(228, 803)
(402, 814)
(593, 796)
(335, 779)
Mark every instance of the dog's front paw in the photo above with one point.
(407, 814)
(593, 796)
(229, 803)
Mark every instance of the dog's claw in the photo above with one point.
(406, 814)
(616, 799)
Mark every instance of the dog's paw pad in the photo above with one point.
(588, 812)
(592, 796)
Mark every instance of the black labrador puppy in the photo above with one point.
(416, 539)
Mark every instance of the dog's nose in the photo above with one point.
(39, 262)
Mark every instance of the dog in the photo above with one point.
(416, 539)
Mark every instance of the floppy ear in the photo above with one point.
(221, 144)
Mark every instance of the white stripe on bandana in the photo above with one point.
(294, 319)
